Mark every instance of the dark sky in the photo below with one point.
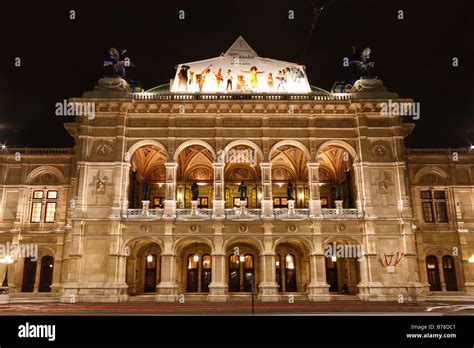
(62, 58)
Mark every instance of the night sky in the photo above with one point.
(62, 58)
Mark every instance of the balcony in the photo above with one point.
(235, 214)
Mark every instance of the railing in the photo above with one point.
(235, 213)
(141, 214)
(442, 151)
(340, 213)
(239, 96)
(41, 151)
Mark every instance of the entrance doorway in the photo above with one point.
(433, 273)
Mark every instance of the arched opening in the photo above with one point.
(242, 263)
(449, 271)
(196, 268)
(336, 177)
(195, 165)
(342, 266)
(147, 177)
(143, 267)
(242, 164)
(433, 273)
(289, 165)
(46, 275)
(29, 275)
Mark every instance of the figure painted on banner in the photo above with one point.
(241, 85)
(219, 78)
(201, 78)
(253, 76)
(228, 77)
(192, 78)
(195, 191)
(183, 78)
(270, 82)
(243, 191)
(290, 192)
(281, 81)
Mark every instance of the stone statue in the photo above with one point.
(195, 191)
(363, 62)
(243, 191)
(338, 189)
(145, 191)
(118, 62)
(290, 192)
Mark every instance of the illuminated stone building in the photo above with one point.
(113, 218)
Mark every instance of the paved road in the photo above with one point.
(241, 308)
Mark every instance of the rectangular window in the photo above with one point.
(36, 211)
(52, 195)
(425, 194)
(427, 211)
(441, 212)
(50, 212)
(38, 194)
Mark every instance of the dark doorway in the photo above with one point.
(278, 273)
(290, 273)
(248, 272)
(331, 275)
(150, 273)
(234, 273)
(433, 273)
(29, 275)
(206, 274)
(192, 279)
(449, 272)
(46, 275)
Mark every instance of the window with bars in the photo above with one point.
(434, 207)
(43, 206)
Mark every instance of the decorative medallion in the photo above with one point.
(292, 228)
(103, 149)
(340, 228)
(145, 228)
(193, 229)
(378, 150)
(243, 228)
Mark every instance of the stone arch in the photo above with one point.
(142, 242)
(250, 242)
(294, 143)
(304, 245)
(344, 239)
(242, 142)
(187, 143)
(39, 171)
(182, 243)
(146, 142)
(339, 143)
(437, 171)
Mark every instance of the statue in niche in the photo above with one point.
(338, 190)
(243, 191)
(145, 191)
(194, 191)
(383, 188)
(290, 192)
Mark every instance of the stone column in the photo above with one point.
(218, 289)
(314, 197)
(267, 198)
(170, 195)
(268, 287)
(219, 199)
(318, 288)
(168, 288)
(363, 201)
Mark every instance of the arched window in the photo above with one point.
(192, 279)
(433, 273)
(46, 275)
(290, 273)
(449, 272)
